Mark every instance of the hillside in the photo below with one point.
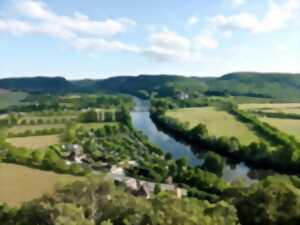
(37, 84)
(275, 85)
(161, 84)
(270, 85)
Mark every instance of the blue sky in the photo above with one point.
(102, 38)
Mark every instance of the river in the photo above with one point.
(232, 171)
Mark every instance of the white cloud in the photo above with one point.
(205, 42)
(277, 17)
(102, 44)
(78, 30)
(165, 54)
(170, 46)
(169, 39)
(82, 33)
(76, 23)
(239, 2)
(192, 21)
(15, 27)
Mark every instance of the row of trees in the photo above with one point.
(42, 132)
(92, 115)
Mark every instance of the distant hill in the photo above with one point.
(275, 85)
(272, 85)
(37, 84)
(161, 84)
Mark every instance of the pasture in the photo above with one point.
(20, 184)
(219, 123)
(35, 142)
(268, 106)
(8, 98)
(289, 126)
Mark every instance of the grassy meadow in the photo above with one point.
(289, 126)
(20, 184)
(219, 123)
(8, 98)
(269, 106)
(35, 142)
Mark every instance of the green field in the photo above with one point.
(35, 142)
(268, 106)
(8, 98)
(20, 184)
(219, 123)
(295, 110)
(289, 126)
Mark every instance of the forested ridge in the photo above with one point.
(268, 85)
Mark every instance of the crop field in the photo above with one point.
(23, 128)
(268, 106)
(295, 110)
(20, 184)
(219, 123)
(8, 98)
(35, 142)
(288, 126)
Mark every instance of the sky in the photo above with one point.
(101, 38)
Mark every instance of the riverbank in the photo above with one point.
(233, 170)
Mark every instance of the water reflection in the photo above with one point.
(232, 171)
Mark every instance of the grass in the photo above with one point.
(266, 106)
(20, 184)
(219, 123)
(8, 98)
(284, 110)
(288, 126)
(23, 128)
(35, 142)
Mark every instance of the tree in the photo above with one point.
(182, 162)
(89, 116)
(157, 189)
(108, 116)
(199, 131)
(274, 201)
(168, 156)
(69, 134)
(37, 157)
(213, 163)
(70, 214)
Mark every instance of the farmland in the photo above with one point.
(20, 184)
(8, 98)
(289, 126)
(219, 123)
(269, 106)
(35, 142)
